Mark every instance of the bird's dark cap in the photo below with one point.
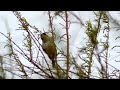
(43, 33)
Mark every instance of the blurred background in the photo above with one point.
(9, 23)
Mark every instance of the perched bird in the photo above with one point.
(49, 47)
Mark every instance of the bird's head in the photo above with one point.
(45, 37)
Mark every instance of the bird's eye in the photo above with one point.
(41, 38)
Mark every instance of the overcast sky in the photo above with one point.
(40, 20)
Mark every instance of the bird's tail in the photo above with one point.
(53, 63)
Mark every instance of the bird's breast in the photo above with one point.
(45, 45)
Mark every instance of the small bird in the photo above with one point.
(49, 47)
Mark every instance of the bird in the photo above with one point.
(49, 47)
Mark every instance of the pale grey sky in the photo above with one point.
(40, 20)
